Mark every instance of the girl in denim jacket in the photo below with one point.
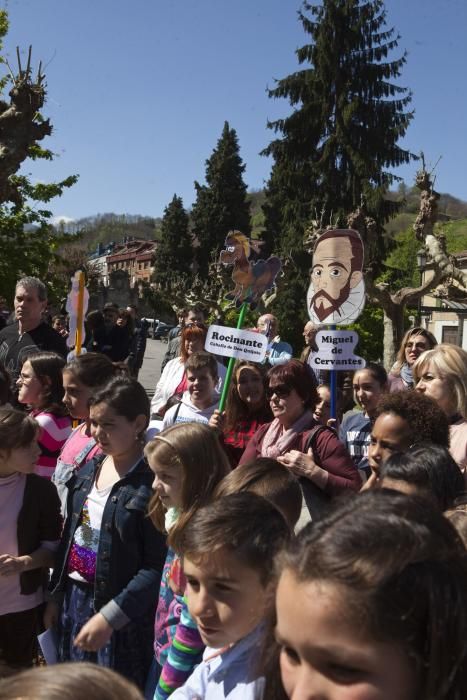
(106, 579)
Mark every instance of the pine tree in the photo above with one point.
(175, 252)
(342, 136)
(221, 204)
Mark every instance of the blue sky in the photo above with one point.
(138, 92)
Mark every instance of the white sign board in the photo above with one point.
(232, 342)
(335, 351)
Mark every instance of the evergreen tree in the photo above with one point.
(221, 205)
(175, 252)
(343, 132)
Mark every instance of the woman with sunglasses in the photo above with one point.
(173, 379)
(414, 342)
(311, 451)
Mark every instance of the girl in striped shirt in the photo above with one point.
(188, 462)
(41, 388)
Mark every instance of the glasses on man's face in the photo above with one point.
(280, 390)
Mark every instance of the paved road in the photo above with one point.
(150, 371)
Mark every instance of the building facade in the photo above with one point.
(134, 256)
(444, 310)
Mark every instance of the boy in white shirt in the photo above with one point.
(200, 399)
(228, 551)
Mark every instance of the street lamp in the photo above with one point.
(421, 264)
(421, 259)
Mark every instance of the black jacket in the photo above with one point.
(39, 520)
(14, 350)
(131, 552)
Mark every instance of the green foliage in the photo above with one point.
(340, 140)
(348, 117)
(221, 205)
(401, 264)
(110, 227)
(175, 253)
(256, 200)
(231, 317)
(159, 301)
(370, 329)
(3, 32)
(29, 243)
(456, 234)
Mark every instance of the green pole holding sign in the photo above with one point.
(230, 366)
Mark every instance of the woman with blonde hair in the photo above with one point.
(441, 373)
(416, 341)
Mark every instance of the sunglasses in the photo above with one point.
(281, 391)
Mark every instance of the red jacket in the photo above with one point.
(329, 454)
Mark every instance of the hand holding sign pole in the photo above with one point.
(251, 281)
(228, 376)
(336, 295)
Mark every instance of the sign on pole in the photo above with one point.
(335, 351)
(233, 342)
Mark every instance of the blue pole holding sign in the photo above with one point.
(333, 388)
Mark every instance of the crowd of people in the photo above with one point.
(269, 550)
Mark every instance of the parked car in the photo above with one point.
(152, 324)
(162, 331)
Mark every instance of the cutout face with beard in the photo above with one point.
(333, 278)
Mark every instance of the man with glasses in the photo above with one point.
(192, 317)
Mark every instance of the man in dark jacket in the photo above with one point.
(192, 317)
(29, 334)
(137, 343)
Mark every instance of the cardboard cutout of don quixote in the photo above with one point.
(336, 295)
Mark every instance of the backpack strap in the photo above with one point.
(312, 435)
(177, 411)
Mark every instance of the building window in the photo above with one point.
(449, 334)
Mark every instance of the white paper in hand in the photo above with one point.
(48, 644)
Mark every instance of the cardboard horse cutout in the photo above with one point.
(251, 279)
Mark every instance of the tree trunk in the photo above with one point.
(393, 317)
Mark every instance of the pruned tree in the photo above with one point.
(28, 241)
(394, 302)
